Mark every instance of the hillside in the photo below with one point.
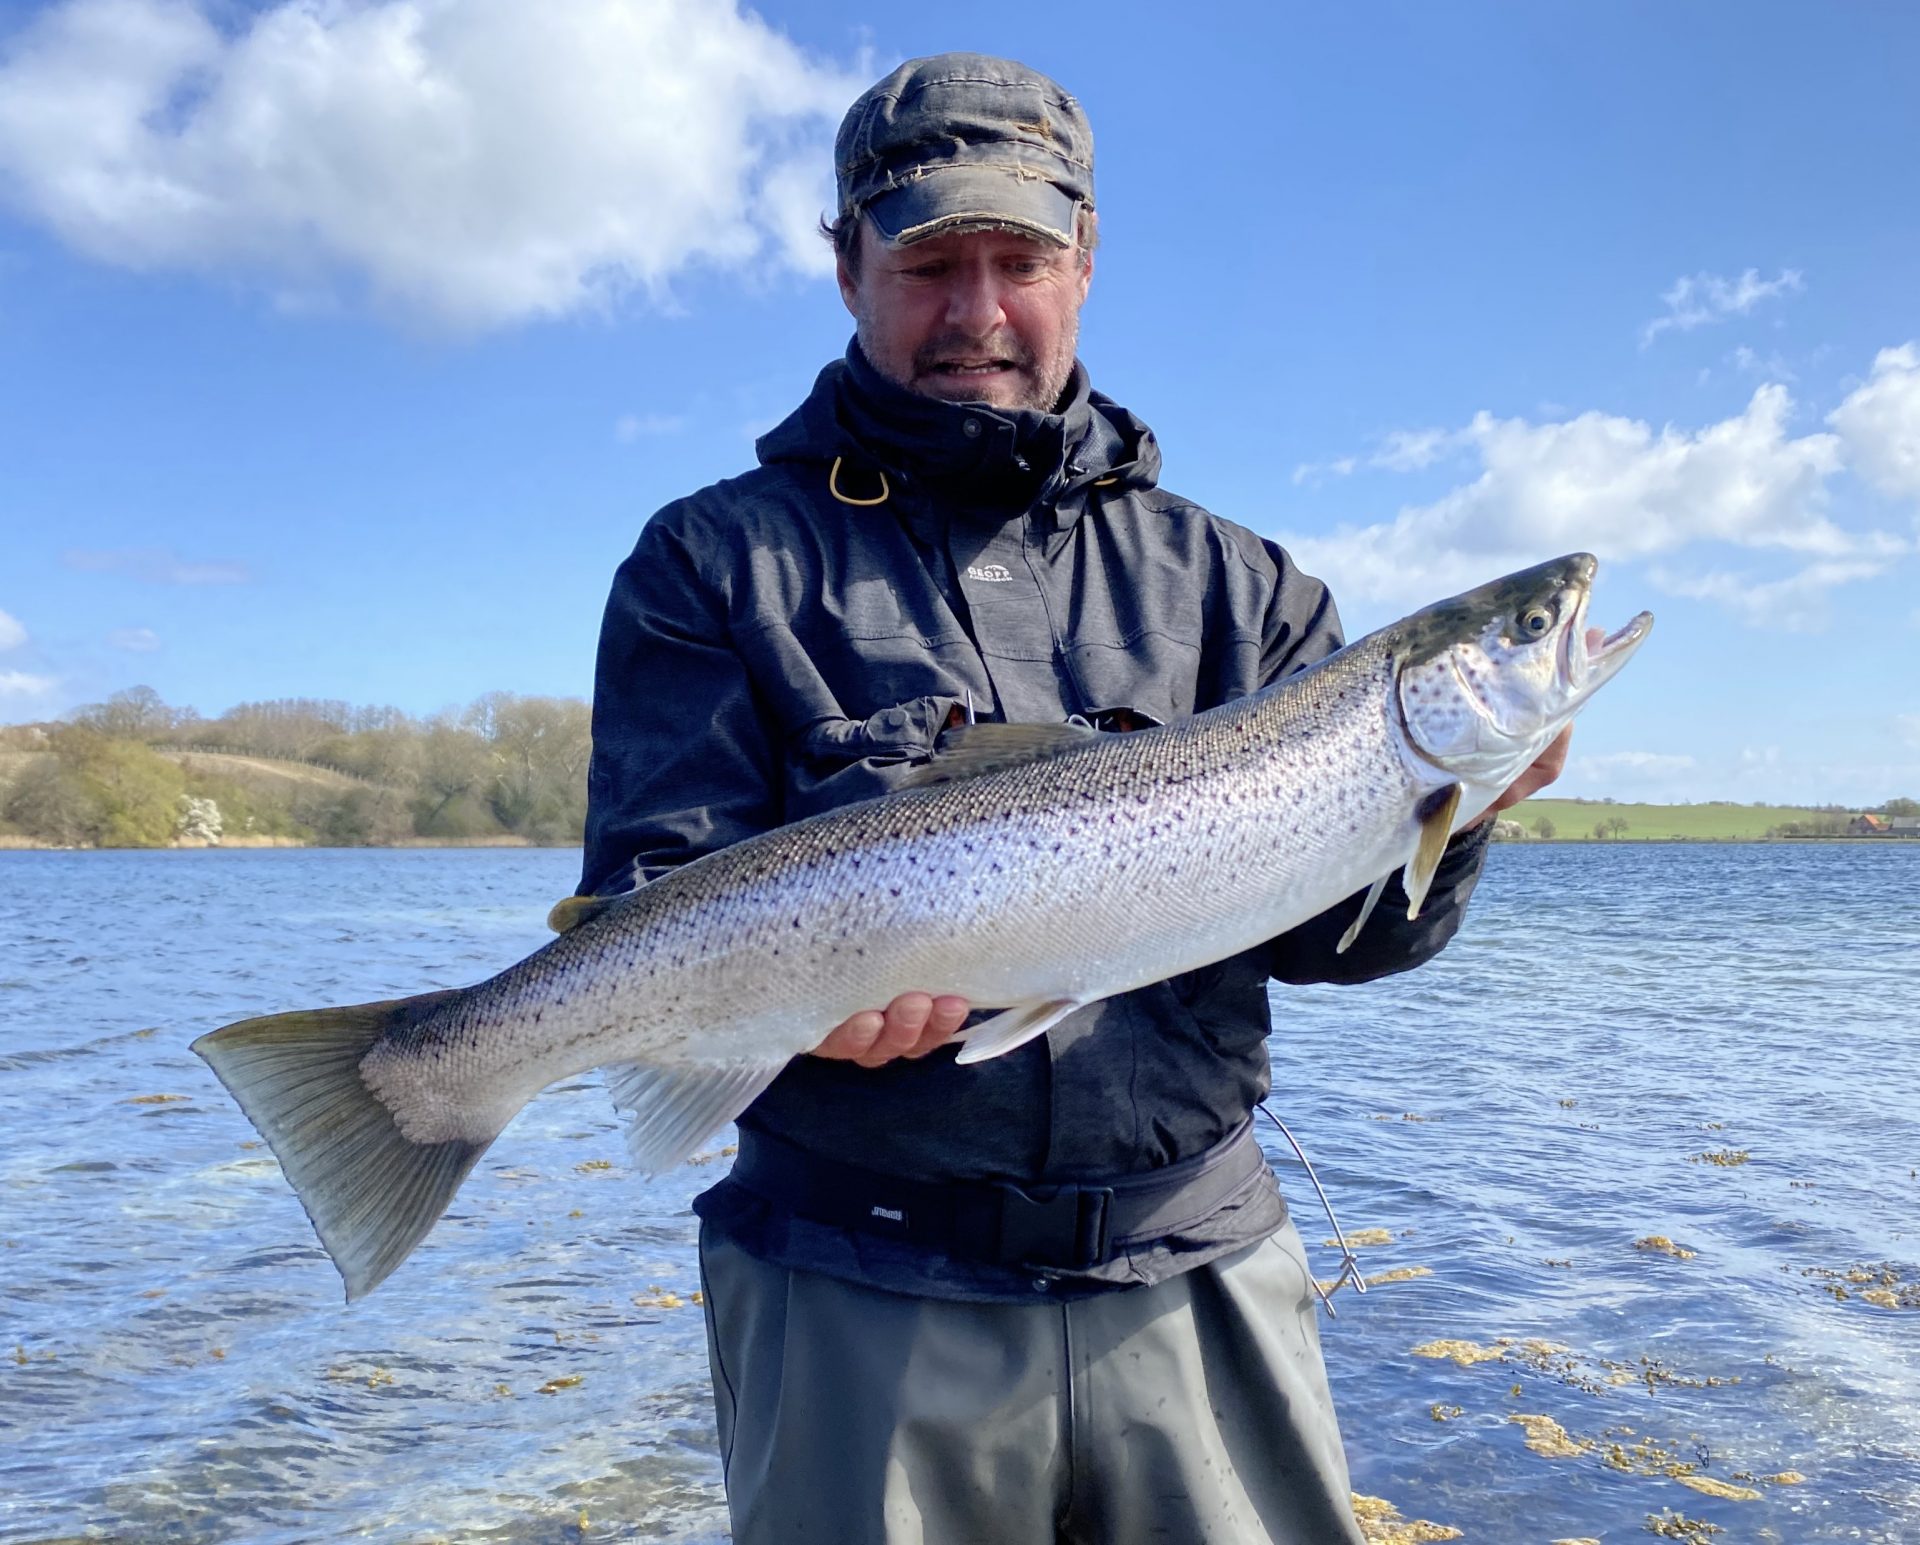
(1575, 819)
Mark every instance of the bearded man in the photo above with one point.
(1054, 1296)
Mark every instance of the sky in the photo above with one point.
(346, 347)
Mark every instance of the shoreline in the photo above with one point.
(16, 844)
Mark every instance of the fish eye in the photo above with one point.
(1535, 621)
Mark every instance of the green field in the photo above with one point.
(1576, 818)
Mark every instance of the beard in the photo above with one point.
(1030, 379)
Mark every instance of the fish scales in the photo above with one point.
(1059, 867)
(1104, 869)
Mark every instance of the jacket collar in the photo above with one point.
(992, 463)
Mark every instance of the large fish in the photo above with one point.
(1032, 870)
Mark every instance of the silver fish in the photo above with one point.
(1030, 869)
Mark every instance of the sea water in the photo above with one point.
(1714, 1046)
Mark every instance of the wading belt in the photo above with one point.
(1071, 1227)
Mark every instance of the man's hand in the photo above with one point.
(1552, 762)
(914, 1024)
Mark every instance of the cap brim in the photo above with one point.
(965, 198)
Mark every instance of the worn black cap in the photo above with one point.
(965, 140)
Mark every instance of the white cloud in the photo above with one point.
(1698, 299)
(468, 163)
(1318, 472)
(1880, 422)
(1399, 450)
(21, 684)
(134, 640)
(1650, 763)
(1798, 603)
(1770, 365)
(155, 565)
(12, 634)
(1653, 775)
(634, 426)
(1408, 450)
(1612, 485)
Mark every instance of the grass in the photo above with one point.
(1576, 818)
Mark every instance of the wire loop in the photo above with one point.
(833, 487)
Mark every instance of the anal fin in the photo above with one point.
(1018, 1025)
(676, 1108)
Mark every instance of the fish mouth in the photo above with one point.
(1591, 657)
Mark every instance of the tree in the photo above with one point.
(1617, 824)
(1544, 829)
(1600, 830)
(1901, 807)
(93, 790)
(50, 802)
(540, 747)
(455, 766)
(135, 714)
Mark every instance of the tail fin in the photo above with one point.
(371, 1192)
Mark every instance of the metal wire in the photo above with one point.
(1349, 1266)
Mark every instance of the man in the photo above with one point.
(1054, 1296)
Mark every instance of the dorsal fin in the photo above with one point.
(968, 750)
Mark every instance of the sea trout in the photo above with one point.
(1030, 869)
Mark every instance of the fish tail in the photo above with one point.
(371, 1191)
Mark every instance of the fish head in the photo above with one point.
(1487, 679)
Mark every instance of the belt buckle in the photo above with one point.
(1059, 1226)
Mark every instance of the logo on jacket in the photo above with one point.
(991, 573)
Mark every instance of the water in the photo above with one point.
(176, 1364)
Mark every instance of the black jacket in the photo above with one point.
(795, 639)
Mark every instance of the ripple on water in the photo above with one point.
(1608, 1015)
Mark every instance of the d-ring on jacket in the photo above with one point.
(796, 638)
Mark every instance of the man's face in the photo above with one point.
(977, 316)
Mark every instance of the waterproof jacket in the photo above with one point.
(796, 639)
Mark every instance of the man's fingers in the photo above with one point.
(914, 1024)
(853, 1038)
(949, 1014)
(905, 1019)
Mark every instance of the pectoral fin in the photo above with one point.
(1016, 1027)
(1366, 911)
(1436, 827)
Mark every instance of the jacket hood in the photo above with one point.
(982, 456)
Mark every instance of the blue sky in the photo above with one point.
(345, 348)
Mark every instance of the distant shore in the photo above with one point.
(32, 845)
(29, 845)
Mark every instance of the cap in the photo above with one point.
(957, 141)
